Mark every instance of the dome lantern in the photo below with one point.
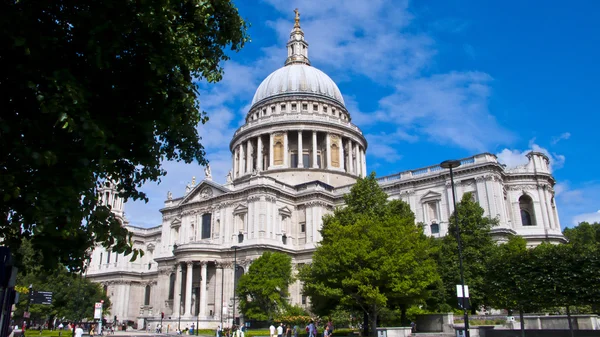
(297, 46)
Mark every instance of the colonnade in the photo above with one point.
(287, 149)
(184, 296)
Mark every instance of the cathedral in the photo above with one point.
(292, 161)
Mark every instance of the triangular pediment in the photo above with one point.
(240, 209)
(207, 189)
(175, 223)
(285, 211)
(431, 195)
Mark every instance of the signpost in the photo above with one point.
(98, 315)
(40, 297)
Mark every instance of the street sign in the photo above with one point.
(26, 314)
(41, 297)
(98, 310)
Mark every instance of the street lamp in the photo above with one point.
(179, 319)
(197, 290)
(450, 164)
(234, 279)
(222, 284)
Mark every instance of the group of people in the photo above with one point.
(311, 329)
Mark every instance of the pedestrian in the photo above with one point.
(295, 330)
(272, 330)
(288, 331)
(78, 331)
(219, 331)
(280, 330)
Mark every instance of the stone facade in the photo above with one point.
(292, 161)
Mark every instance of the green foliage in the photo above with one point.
(73, 296)
(372, 255)
(263, 291)
(584, 234)
(477, 247)
(93, 91)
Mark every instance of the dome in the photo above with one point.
(298, 79)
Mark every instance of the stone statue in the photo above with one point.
(229, 177)
(193, 181)
(169, 195)
(297, 18)
(188, 188)
(207, 172)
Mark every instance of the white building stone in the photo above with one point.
(274, 200)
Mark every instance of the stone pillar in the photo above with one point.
(233, 164)
(314, 149)
(259, 154)
(363, 162)
(300, 162)
(286, 150)
(249, 154)
(341, 160)
(236, 164)
(203, 289)
(219, 305)
(270, 150)
(177, 292)
(356, 159)
(349, 160)
(242, 160)
(188, 290)
(328, 151)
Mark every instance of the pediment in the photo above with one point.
(207, 189)
(176, 223)
(240, 209)
(285, 211)
(431, 196)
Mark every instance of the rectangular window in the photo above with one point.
(283, 108)
(302, 228)
(272, 110)
(304, 107)
(294, 160)
(303, 299)
(293, 106)
(206, 226)
(325, 109)
(108, 257)
(306, 160)
(319, 161)
(315, 107)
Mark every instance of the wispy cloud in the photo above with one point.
(578, 203)
(563, 136)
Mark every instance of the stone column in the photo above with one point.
(300, 161)
(233, 164)
(188, 290)
(286, 150)
(218, 285)
(177, 292)
(363, 162)
(314, 149)
(356, 159)
(242, 160)
(203, 289)
(259, 154)
(328, 150)
(249, 154)
(270, 150)
(349, 160)
(341, 160)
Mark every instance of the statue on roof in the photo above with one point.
(169, 195)
(297, 18)
(207, 172)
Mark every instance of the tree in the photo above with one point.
(97, 91)
(73, 296)
(372, 255)
(477, 247)
(263, 291)
(584, 234)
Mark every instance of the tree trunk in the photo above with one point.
(374, 322)
(365, 324)
(404, 321)
(569, 320)
(522, 322)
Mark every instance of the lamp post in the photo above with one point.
(222, 286)
(450, 164)
(179, 318)
(234, 279)
(197, 300)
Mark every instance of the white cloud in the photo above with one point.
(589, 217)
(514, 158)
(563, 136)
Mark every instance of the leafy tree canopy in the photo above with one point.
(477, 247)
(584, 235)
(372, 255)
(73, 296)
(95, 91)
(263, 290)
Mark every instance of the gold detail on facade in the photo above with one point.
(278, 149)
(297, 18)
(335, 151)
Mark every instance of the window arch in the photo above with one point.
(527, 211)
(147, 295)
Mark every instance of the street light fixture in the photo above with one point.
(222, 285)
(451, 164)
(235, 248)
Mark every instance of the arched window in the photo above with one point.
(278, 153)
(335, 155)
(147, 296)
(172, 286)
(527, 212)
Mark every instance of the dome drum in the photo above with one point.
(298, 104)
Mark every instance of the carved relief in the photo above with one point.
(278, 149)
(335, 151)
(206, 193)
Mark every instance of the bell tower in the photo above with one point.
(297, 46)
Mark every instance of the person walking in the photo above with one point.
(272, 330)
(280, 330)
(78, 331)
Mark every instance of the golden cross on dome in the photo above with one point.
(297, 19)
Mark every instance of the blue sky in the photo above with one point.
(428, 81)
